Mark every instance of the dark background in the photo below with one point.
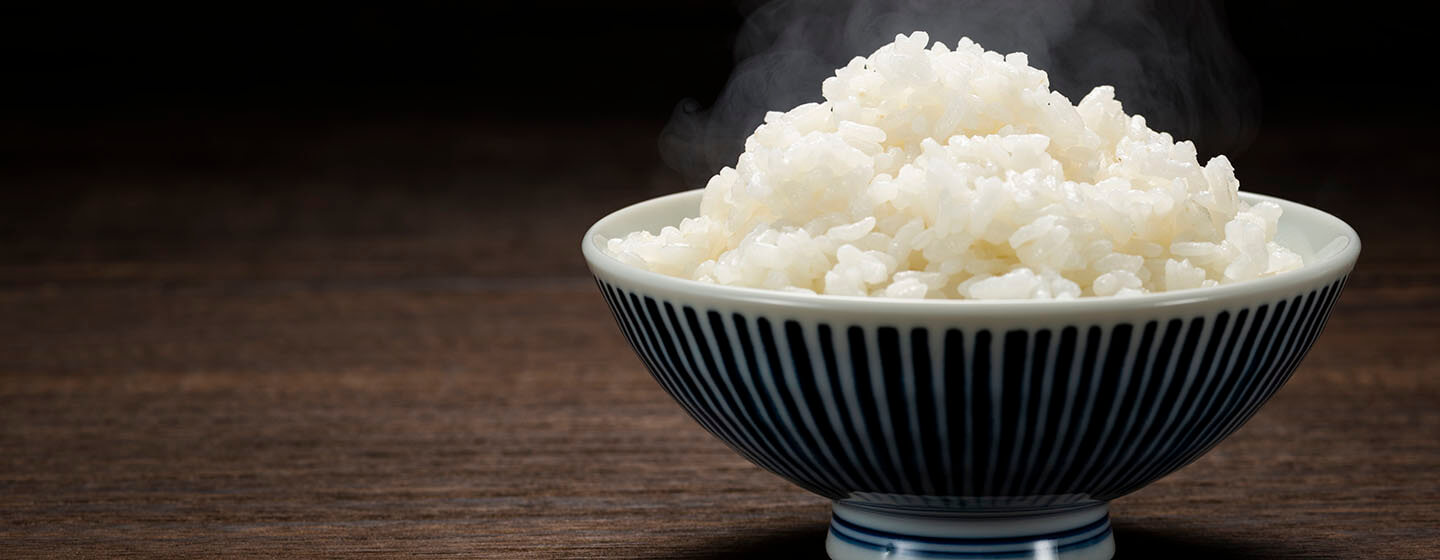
(94, 99)
(243, 119)
(134, 68)
(563, 59)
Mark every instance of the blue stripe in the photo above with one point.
(842, 389)
(944, 417)
(1031, 431)
(898, 404)
(749, 409)
(981, 401)
(723, 400)
(791, 411)
(957, 423)
(869, 410)
(1062, 399)
(757, 380)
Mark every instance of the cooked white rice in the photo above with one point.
(937, 173)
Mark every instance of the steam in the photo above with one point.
(1172, 62)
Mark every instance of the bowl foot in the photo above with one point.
(867, 532)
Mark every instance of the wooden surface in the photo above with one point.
(266, 339)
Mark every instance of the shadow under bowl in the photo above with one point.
(972, 429)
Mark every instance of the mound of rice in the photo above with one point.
(937, 173)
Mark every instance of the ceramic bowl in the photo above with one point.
(972, 429)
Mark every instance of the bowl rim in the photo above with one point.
(1312, 274)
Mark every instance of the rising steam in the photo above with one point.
(1172, 62)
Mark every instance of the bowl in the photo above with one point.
(972, 429)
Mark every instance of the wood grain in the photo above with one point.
(378, 339)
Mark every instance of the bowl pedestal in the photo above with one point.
(860, 531)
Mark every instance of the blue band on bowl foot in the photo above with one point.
(867, 532)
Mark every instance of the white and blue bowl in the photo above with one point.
(972, 429)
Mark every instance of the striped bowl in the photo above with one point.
(970, 429)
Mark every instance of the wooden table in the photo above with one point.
(378, 339)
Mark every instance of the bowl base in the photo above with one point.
(869, 532)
